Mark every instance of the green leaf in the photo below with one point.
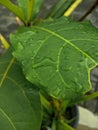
(27, 7)
(63, 126)
(19, 101)
(37, 5)
(13, 8)
(59, 8)
(30, 8)
(59, 54)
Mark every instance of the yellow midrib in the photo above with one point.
(6, 71)
(72, 8)
(8, 119)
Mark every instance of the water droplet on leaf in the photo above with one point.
(32, 58)
(67, 58)
(66, 68)
(93, 46)
(20, 46)
(37, 57)
(79, 89)
(96, 53)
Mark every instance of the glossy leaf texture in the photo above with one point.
(19, 101)
(57, 56)
(30, 8)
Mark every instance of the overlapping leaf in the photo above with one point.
(57, 56)
(19, 101)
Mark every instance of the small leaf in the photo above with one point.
(19, 101)
(27, 7)
(59, 8)
(30, 8)
(37, 5)
(59, 54)
(64, 126)
(13, 8)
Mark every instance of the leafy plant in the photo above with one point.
(49, 70)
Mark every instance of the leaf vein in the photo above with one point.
(65, 40)
(6, 71)
(40, 46)
(59, 53)
(2, 111)
(23, 91)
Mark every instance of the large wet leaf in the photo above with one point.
(57, 56)
(19, 101)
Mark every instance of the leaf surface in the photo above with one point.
(59, 54)
(19, 101)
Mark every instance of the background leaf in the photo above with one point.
(59, 8)
(23, 5)
(20, 107)
(37, 4)
(59, 54)
(30, 8)
(13, 8)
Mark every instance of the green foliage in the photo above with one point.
(30, 8)
(26, 10)
(37, 4)
(20, 107)
(56, 57)
(59, 8)
(13, 8)
(59, 54)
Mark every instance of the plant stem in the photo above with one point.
(53, 127)
(45, 104)
(64, 126)
(89, 11)
(91, 96)
(4, 42)
(13, 8)
(86, 98)
(72, 7)
(29, 10)
(59, 8)
(63, 8)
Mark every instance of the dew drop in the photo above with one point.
(20, 46)
(84, 32)
(32, 58)
(68, 21)
(34, 77)
(77, 85)
(37, 57)
(66, 68)
(23, 62)
(96, 53)
(27, 77)
(67, 58)
(81, 63)
(79, 74)
(57, 91)
(93, 46)
(79, 89)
